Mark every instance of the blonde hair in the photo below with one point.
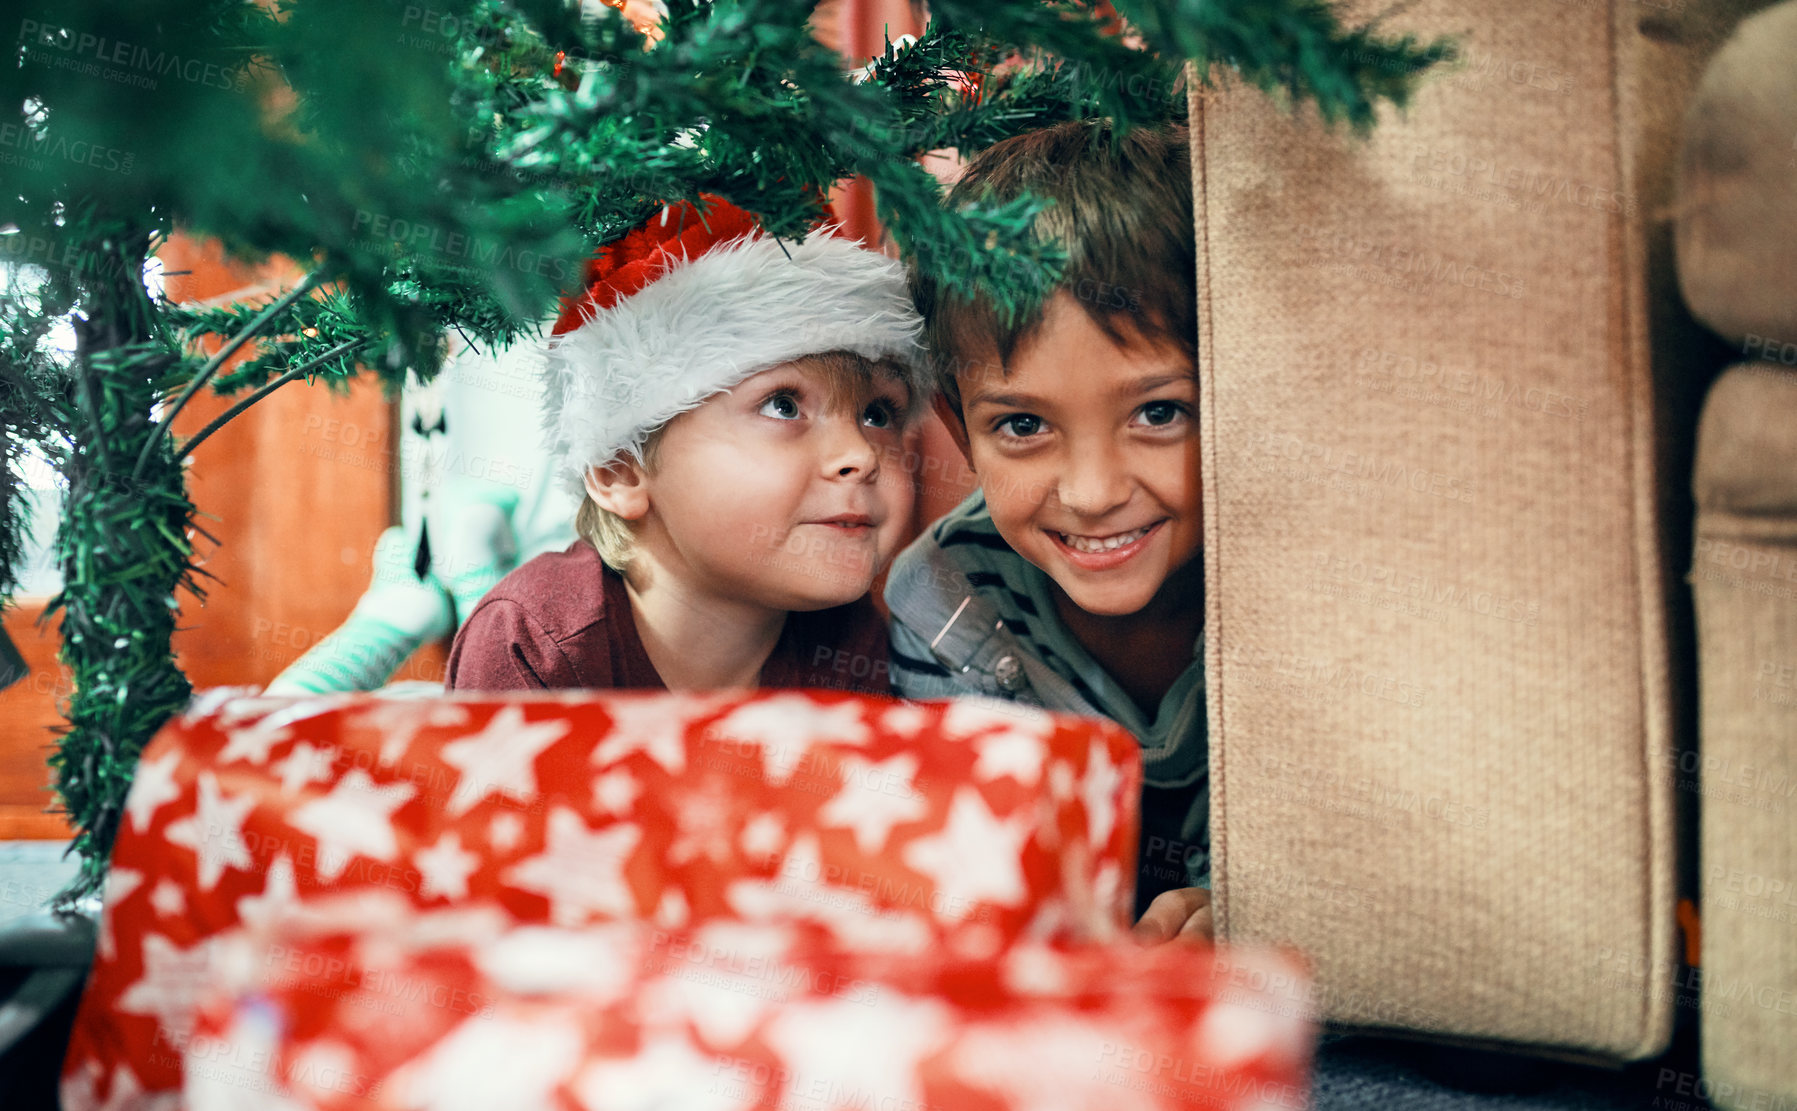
(845, 373)
(613, 536)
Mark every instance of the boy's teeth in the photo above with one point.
(1091, 544)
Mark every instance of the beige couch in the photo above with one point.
(1737, 267)
(1450, 394)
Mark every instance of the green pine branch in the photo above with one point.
(1296, 48)
(450, 167)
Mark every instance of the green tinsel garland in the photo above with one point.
(123, 548)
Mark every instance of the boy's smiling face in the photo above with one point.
(786, 491)
(1088, 454)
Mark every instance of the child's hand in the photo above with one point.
(1182, 915)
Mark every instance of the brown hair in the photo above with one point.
(1122, 210)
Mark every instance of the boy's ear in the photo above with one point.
(953, 421)
(621, 488)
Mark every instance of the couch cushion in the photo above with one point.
(1744, 575)
(1737, 206)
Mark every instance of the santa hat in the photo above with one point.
(690, 303)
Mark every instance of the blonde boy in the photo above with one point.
(731, 409)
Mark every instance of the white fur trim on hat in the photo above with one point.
(709, 323)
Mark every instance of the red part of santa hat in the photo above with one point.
(649, 250)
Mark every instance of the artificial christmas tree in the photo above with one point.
(449, 169)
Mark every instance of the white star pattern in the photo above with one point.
(801, 829)
(666, 1072)
(862, 1056)
(1275, 1028)
(1031, 968)
(602, 963)
(1055, 919)
(77, 1088)
(399, 723)
(581, 871)
(763, 836)
(126, 1093)
(873, 799)
(703, 818)
(505, 831)
(280, 894)
(966, 717)
(355, 818)
(654, 726)
(787, 725)
(614, 791)
(724, 1001)
(492, 1062)
(251, 743)
(241, 1077)
(120, 882)
(236, 712)
(1113, 900)
(1098, 790)
(151, 787)
(1011, 752)
(500, 758)
(904, 719)
(174, 981)
(214, 831)
(672, 913)
(319, 1070)
(444, 868)
(850, 915)
(168, 900)
(974, 858)
(305, 765)
(1231, 1034)
(1008, 1061)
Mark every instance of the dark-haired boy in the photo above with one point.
(1074, 579)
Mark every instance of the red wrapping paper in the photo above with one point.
(739, 1017)
(894, 827)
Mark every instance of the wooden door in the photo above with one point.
(296, 490)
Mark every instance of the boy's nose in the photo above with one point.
(848, 452)
(1093, 482)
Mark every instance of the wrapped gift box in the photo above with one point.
(452, 1015)
(893, 826)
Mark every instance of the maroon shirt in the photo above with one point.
(563, 620)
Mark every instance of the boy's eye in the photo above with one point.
(1157, 414)
(781, 406)
(1019, 425)
(880, 414)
